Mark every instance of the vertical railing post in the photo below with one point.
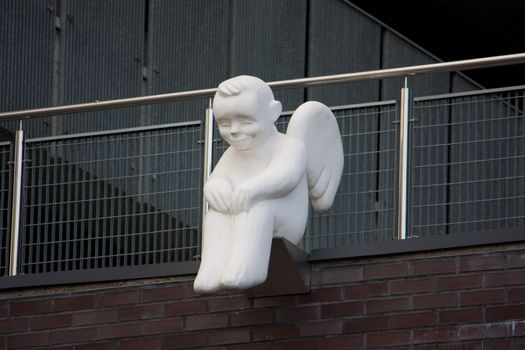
(208, 154)
(16, 202)
(403, 164)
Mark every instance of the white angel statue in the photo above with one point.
(260, 186)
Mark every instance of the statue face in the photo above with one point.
(243, 121)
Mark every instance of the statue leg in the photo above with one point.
(251, 242)
(214, 252)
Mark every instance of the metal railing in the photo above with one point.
(378, 201)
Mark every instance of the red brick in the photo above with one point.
(25, 341)
(474, 263)
(501, 344)
(252, 317)
(275, 331)
(3, 311)
(517, 328)
(97, 316)
(435, 335)
(320, 328)
(379, 340)
(163, 326)
(33, 307)
(461, 316)
(74, 303)
(341, 275)
(118, 331)
(353, 308)
(435, 301)
(459, 282)
(414, 320)
(98, 346)
(387, 270)
(229, 336)
(482, 297)
(73, 336)
(345, 342)
(499, 313)
(411, 286)
(117, 298)
(314, 277)
(186, 307)
(140, 312)
(51, 322)
(367, 324)
(461, 346)
(229, 303)
(274, 301)
(142, 344)
(305, 344)
(516, 260)
(388, 305)
(362, 291)
(482, 331)
(14, 325)
(159, 293)
(206, 321)
(434, 266)
(297, 313)
(195, 340)
(321, 295)
(505, 278)
(516, 295)
(253, 346)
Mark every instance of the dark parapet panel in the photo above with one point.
(341, 39)
(462, 83)
(398, 52)
(26, 57)
(268, 41)
(101, 59)
(187, 50)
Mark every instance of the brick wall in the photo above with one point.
(461, 299)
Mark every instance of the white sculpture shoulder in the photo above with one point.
(259, 188)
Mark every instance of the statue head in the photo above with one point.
(245, 111)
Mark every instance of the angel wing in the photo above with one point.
(314, 124)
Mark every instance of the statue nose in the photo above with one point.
(234, 129)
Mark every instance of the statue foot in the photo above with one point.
(207, 281)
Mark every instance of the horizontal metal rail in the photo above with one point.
(283, 84)
(469, 93)
(114, 132)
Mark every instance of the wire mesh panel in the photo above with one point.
(364, 207)
(468, 162)
(5, 181)
(112, 199)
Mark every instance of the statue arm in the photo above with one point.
(279, 178)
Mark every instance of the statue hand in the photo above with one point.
(243, 198)
(218, 193)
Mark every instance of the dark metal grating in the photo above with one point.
(468, 163)
(119, 199)
(5, 196)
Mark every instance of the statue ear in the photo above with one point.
(275, 109)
